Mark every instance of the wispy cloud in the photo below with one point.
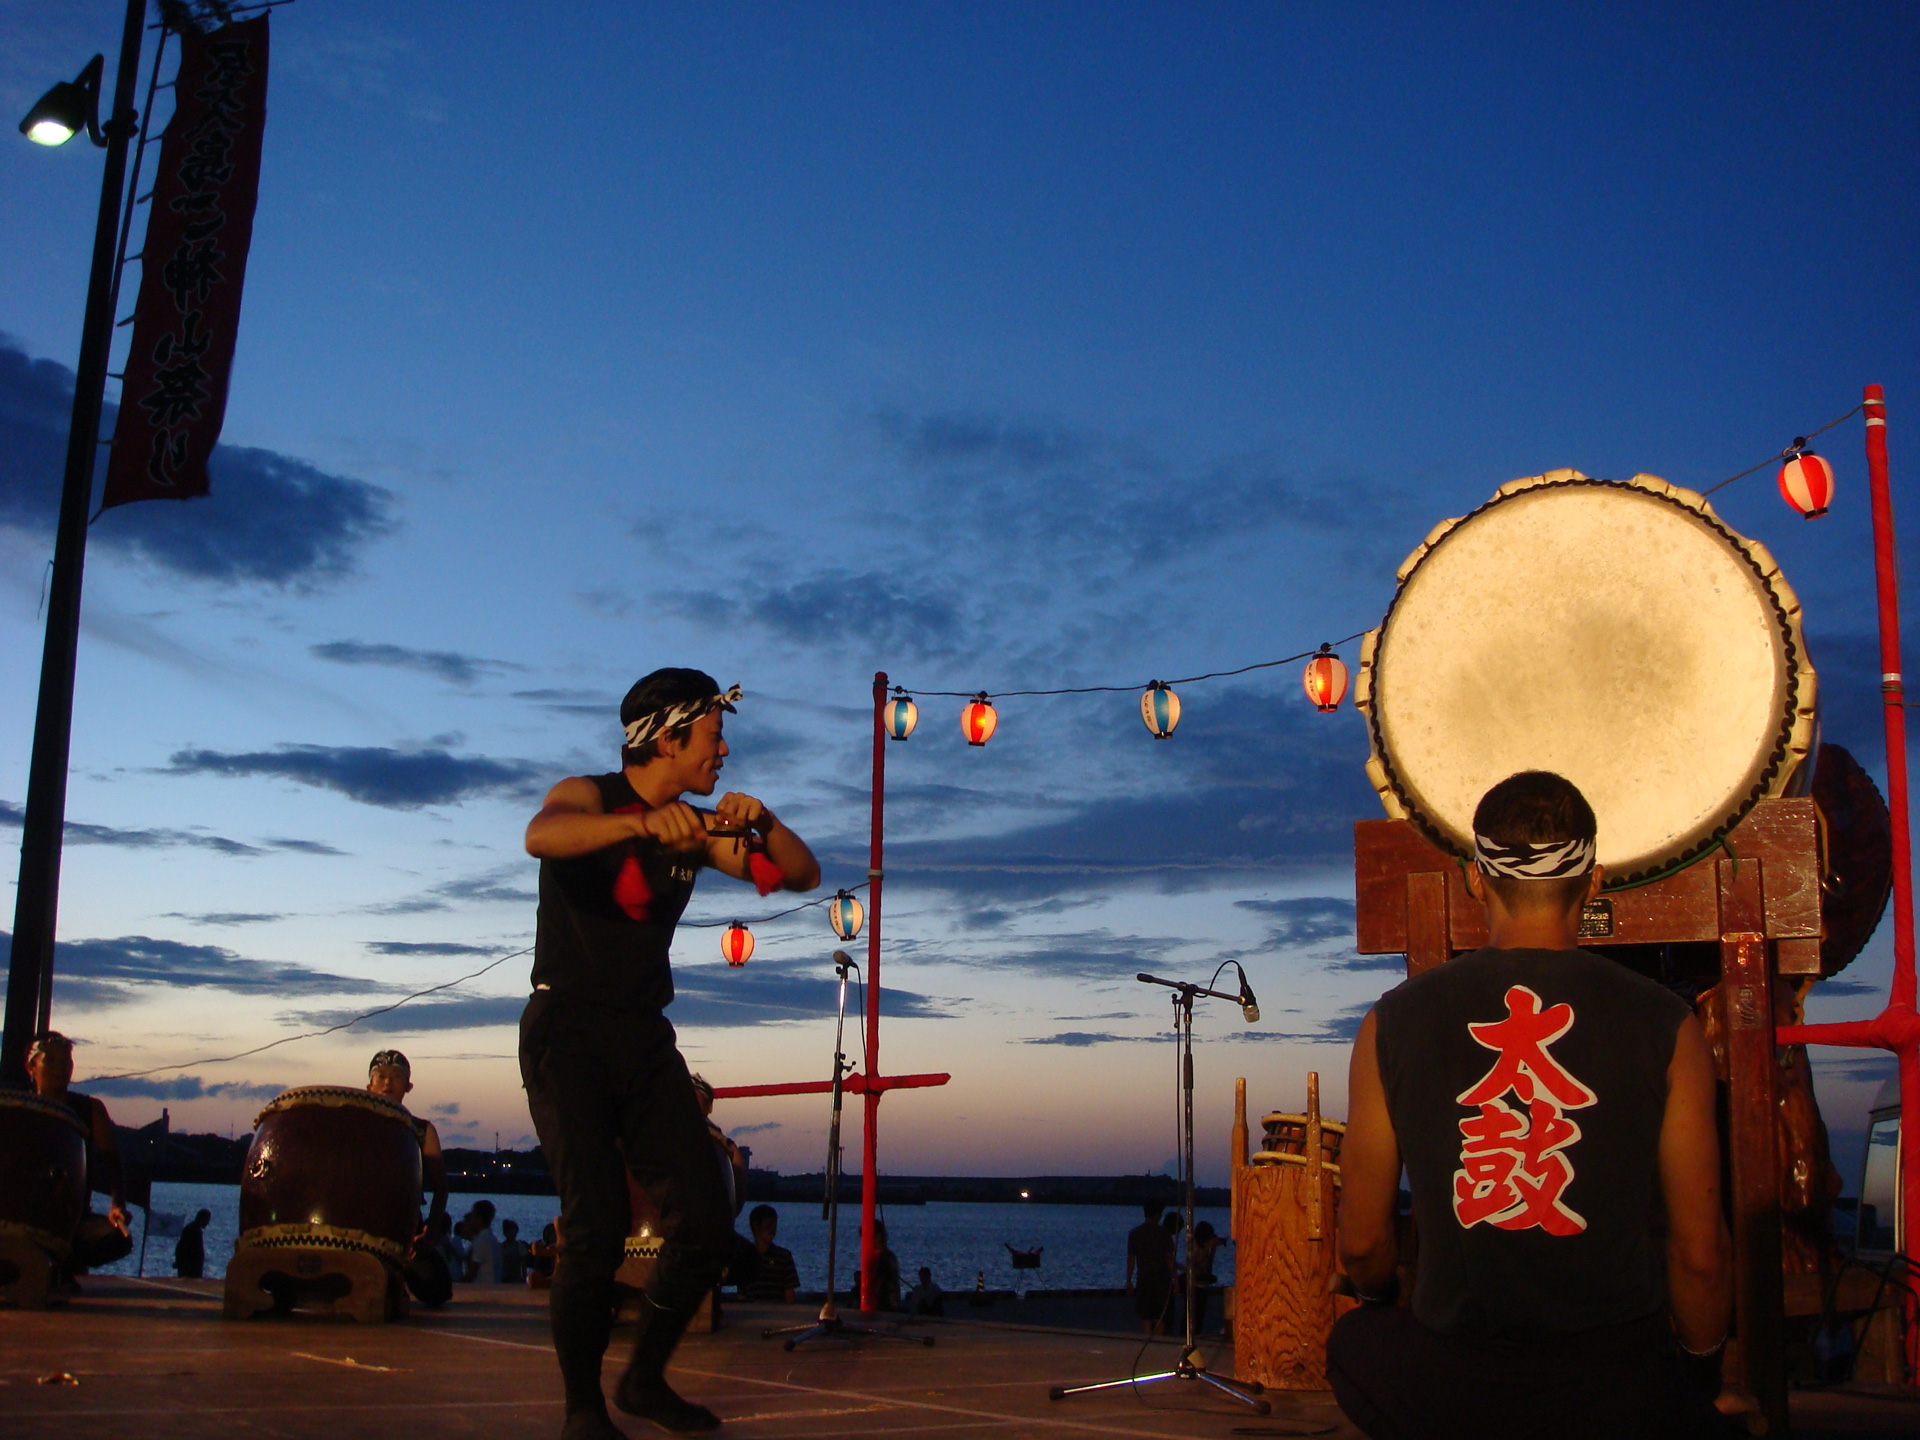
(1079, 1039)
(109, 971)
(226, 917)
(430, 948)
(80, 833)
(182, 1087)
(372, 775)
(448, 665)
(270, 518)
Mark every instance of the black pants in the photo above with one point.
(609, 1093)
(1398, 1380)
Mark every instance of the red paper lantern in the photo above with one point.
(736, 944)
(977, 719)
(1806, 483)
(1325, 679)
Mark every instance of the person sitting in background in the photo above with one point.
(927, 1298)
(190, 1252)
(100, 1239)
(541, 1254)
(1150, 1267)
(775, 1279)
(513, 1255)
(1547, 1104)
(483, 1246)
(390, 1076)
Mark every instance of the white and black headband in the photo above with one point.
(1556, 860)
(655, 723)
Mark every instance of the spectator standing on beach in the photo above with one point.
(483, 1246)
(1150, 1267)
(513, 1254)
(190, 1252)
(887, 1271)
(609, 1091)
(100, 1239)
(775, 1279)
(1206, 1244)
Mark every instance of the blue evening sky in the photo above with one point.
(1002, 346)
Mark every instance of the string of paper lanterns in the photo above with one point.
(1325, 679)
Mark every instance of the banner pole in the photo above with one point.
(36, 905)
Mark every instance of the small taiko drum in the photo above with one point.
(1614, 631)
(332, 1168)
(1285, 1140)
(43, 1171)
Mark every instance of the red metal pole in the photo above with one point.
(870, 1165)
(1901, 996)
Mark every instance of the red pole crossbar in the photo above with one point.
(1897, 1027)
(854, 1084)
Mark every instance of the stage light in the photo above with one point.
(847, 915)
(978, 719)
(1325, 679)
(900, 715)
(67, 109)
(1806, 482)
(736, 944)
(1160, 708)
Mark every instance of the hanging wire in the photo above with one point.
(1119, 689)
(1790, 450)
(315, 1034)
(777, 915)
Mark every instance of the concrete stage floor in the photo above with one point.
(154, 1359)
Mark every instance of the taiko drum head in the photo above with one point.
(1615, 632)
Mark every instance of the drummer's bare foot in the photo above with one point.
(590, 1425)
(660, 1403)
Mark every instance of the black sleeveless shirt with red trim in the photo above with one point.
(1527, 1090)
(607, 918)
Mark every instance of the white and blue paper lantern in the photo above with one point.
(1160, 708)
(900, 715)
(847, 915)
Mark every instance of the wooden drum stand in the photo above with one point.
(1760, 903)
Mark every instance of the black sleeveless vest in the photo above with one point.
(606, 918)
(1527, 1090)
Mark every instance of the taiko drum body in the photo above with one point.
(1615, 632)
(334, 1168)
(43, 1169)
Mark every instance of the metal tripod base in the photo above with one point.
(1245, 1391)
(830, 1326)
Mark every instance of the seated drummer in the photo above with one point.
(390, 1075)
(100, 1240)
(1546, 1102)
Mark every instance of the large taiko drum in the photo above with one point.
(332, 1168)
(43, 1171)
(1615, 632)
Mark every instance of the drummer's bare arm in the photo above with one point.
(433, 1169)
(1369, 1173)
(784, 848)
(573, 822)
(106, 1146)
(1699, 1250)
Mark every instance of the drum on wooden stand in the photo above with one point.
(43, 1193)
(329, 1197)
(1614, 632)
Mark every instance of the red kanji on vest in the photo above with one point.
(1513, 1166)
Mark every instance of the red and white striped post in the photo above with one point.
(1897, 1027)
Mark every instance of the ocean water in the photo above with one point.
(1084, 1247)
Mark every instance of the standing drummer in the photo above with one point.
(1546, 1103)
(607, 1087)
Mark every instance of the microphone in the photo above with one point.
(1249, 1006)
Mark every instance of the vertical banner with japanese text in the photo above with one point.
(173, 399)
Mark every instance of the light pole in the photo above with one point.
(61, 113)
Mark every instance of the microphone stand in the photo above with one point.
(830, 1323)
(1187, 1367)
